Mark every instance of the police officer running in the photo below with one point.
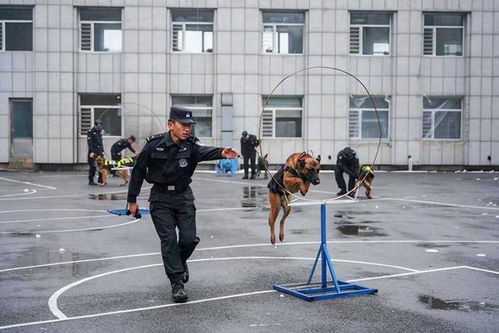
(168, 161)
(347, 161)
(121, 145)
(248, 144)
(95, 148)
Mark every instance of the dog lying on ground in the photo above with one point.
(299, 171)
(105, 167)
(365, 179)
(262, 165)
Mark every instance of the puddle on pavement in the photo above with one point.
(439, 304)
(359, 230)
(254, 196)
(115, 196)
(427, 245)
(298, 231)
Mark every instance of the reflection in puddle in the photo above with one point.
(359, 230)
(254, 196)
(438, 304)
(115, 196)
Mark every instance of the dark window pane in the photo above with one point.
(13, 13)
(370, 126)
(100, 99)
(285, 102)
(449, 41)
(272, 17)
(18, 36)
(443, 19)
(376, 40)
(111, 120)
(192, 100)
(430, 102)
(369, 18)
(447, 125)
(192, 15)
(100, 14)
(22, 119)
(290, 39)
(202, 127)
(288, 127)
(107, 37)
(365, 102)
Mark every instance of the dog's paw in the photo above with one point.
(102, 184)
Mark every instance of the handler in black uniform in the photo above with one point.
(168, 161)
(121, 145)
(248, 144)
(95, 148)
(347, 161)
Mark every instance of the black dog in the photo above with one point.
(263, 164)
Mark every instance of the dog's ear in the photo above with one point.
(300, 164)
(318, 158)
(266, 155)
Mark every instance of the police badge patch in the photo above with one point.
(183, 163)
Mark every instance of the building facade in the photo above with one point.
(431, 67)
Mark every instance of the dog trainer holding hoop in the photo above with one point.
(168, 161)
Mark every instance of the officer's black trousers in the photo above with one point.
(338, 174)
(166, 218)
(249, 159)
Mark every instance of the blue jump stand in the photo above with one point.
(323, 290)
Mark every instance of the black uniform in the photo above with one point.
(94, 140)
(248, 151)
(118, 147)
(169, 166)
(347, 161)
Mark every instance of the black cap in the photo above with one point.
(98, 122)
(244, 133)
(182, 115)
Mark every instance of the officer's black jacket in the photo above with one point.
(164, 162)
(349, 165)
(121, 144)
(94, 140)
(248, 145)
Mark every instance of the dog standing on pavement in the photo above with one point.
(105, 167)
(262, 165)
(365, 179)
(299, 171)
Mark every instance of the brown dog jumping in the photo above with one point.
(299, 171)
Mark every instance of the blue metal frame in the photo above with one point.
(311, 291)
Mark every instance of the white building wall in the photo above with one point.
(146, 73)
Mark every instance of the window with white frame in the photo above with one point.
(100, 29)
(442, 117)
(443, 34)
(363, 121)
(282, 117)
(192, 30)
(104, 107)
(370, 33)
(283, 32)
(16, 28)
(202, 112)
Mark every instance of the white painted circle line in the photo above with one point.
(31, 191)
(55, 219)
(52, 210)
(52, 302)
(251, 245)
(27, 183)
(71, 230)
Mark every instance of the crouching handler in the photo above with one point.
(168, 161)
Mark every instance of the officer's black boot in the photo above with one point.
(253, 176)
(245, 176)
(178, 293)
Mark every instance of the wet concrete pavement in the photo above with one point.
(427, 241)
